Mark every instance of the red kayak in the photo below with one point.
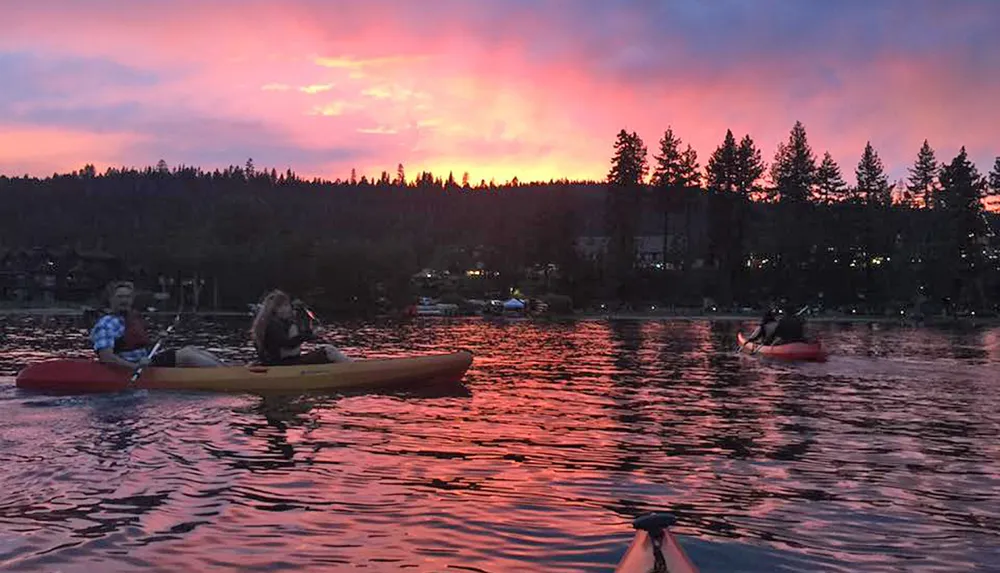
(811, 351)
(654, 549)
(77, 376)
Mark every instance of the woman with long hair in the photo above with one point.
(278, 335)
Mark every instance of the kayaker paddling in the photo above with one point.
(765, 330)
(773, 330)
(278, 334)
(120, 337)
(781, 337)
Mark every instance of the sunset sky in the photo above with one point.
(499, 88)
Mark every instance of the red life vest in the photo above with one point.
(135, 336)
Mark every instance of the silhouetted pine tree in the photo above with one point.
(669, 166)
(749, 167)
(872, 183)
(960, 199)
(793, 172)
(690, 174)
(722, 171)
(629, 168)
(676, 173)
(732, 173)
(830, 184)
(922, 184)
(994, 184)
(749, 170)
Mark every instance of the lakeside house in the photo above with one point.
(676, 240)
(44, 275)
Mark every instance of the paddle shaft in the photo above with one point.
(312, 315)
(156, 347)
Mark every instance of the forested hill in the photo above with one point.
(807, 236)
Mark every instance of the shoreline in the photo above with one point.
(588, 316)
(858, 318)
(78, 312)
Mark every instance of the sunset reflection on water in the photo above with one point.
(884, 457)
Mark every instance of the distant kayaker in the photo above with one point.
(774, 330)
(278, 334)
(766, 329)
(120, 337)
(790, 328)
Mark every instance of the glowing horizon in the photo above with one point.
(494, 89)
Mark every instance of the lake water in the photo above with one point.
(885, 458)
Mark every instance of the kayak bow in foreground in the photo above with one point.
(654, 549)
(79, 376)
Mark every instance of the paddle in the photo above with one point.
(312, 316)
(156, 347)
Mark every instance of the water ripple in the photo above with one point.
(882, 459)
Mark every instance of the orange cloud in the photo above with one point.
(43, 151)
(316, 88)
(352, 63)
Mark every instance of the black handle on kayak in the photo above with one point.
(654, 524)
(654, 521)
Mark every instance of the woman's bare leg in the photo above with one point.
(335, 355)
(192, 357)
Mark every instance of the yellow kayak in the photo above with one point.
(78, 376)
(654, 549)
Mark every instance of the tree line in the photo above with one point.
(803, 234)
(794, 229)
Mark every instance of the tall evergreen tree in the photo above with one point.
(669, 168)
(922, 184)
(961, 185)
(690, 174)
(732, 174)
(749, 167)
(722, 171)
(793, 172)
(830, 184)
(676, 171)
(873, 185)
(630, 164)
(629, 167)
(994, 184)
(962, 226)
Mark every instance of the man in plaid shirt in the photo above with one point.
(120, 337)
